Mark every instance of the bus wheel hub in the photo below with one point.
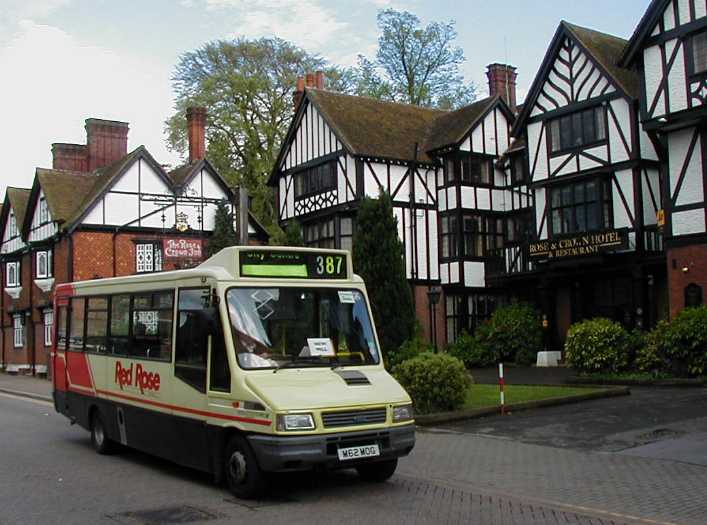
(237, 466)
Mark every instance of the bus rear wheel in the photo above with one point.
(379, 471)
(100, 441)
(243, 475)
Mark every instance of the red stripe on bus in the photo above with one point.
(242, 419)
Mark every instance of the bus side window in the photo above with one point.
(119, 324)
(192, 338)
(152, 326)
(96, 324)
(77, 324)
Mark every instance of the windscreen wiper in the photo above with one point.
(300, 361)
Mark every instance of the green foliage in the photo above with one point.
(415, 64)
(246, 87)
(378, 259)
(681, 345)
(471, 352)
(224, 235)
(513, 333)
(598, 345)
(409, 349)
(435, 382)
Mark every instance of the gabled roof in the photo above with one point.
(18, 198)
(63, 190)
(604, 49)
(105, 177)
(453, 127)
(375, 128)
(181, 176)
(643, 30)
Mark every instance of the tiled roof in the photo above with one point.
(64, 191)
(18, 200)
(607, 51)
(451, 127)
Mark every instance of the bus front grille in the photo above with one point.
(354, 417)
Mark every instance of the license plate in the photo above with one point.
(364, 451)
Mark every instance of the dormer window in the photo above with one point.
(577, 130)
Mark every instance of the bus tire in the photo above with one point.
(99, 439)
(378, 471)
(243, 475)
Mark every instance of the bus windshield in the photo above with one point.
(292, 327)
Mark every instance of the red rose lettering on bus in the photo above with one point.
(144, 380)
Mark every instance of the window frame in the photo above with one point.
(465, 315)
(688, 43)
(486, 234)
(604, 204)
(563, 149)
(157, 263)
(454, 171)
(48, 314)
(175, 328)
(18, 331)
(451, 235)
(304, 180)
(17, 265)
(49, 262)
(320, 241)
(43, 212)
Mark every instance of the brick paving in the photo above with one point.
(650, 489)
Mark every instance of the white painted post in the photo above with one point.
(501, 384)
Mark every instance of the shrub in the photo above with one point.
(435, 382)
(409, 349)
(598, 345)
(681, 344)
(648, 358)
(513, 333)
(471, 352)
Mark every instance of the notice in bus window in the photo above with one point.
(318, 346)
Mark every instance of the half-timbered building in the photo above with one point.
(669, 51)
(101, 212)
(594, 174)
(450, 200)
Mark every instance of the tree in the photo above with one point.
(378, 259)
(290, 236)
(224, 235)
(246, 87)
(414, 64)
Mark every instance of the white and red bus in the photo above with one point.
(258, 360)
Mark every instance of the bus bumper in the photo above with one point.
(287, 453)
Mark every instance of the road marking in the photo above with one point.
(23, 398)
(544, 502)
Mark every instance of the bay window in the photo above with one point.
(449, 236)
(482, 234)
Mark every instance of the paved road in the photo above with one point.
(50, 475)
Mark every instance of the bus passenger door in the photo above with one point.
(190, 369)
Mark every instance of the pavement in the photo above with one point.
(27, 385)
(629, 460)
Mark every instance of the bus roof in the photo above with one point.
(253, 264)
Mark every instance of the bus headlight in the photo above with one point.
(403, 413)
(287, 422)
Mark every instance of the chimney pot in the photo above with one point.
(196, 132)
(106, 142)
(299, 93)
(310, 79)
(502, 82)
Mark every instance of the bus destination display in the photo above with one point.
(293, 265)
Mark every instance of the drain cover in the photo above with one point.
(165, 516)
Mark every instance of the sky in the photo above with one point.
(63, 61)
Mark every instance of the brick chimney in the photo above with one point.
(502, 82)
(107, 141)
(299, 93)
(196, 133)
(73, 157)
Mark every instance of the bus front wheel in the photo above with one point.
(379, 471)
(100, 441)
(244, 477)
